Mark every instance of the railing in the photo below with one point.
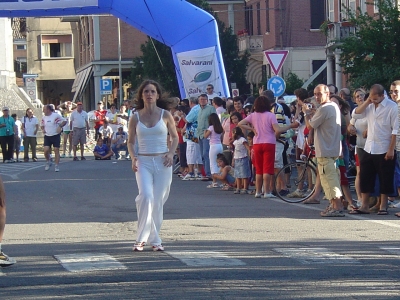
(337, 32)
(252, 43)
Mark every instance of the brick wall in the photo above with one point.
(131, 39)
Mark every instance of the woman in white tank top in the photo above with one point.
(151, 161)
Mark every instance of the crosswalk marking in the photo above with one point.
(316, 256)
(205, 259)
(89, 262)
(392, 250)
(14, 169)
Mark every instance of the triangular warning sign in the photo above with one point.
(276, 59)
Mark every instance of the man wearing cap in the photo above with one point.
(7, 131)
(78, 123)
(100, 115)
(118, 141)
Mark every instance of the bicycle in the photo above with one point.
(298, 175)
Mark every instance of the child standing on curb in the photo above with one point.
(241, 161)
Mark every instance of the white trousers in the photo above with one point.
(154, 181)
(214, 150)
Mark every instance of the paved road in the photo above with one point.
(72, 233)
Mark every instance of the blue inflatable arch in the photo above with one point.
(191, 32)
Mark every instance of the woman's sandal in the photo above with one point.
(213, 185)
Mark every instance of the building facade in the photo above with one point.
(51, 54)
(284, 25)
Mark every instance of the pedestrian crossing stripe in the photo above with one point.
(89, 262)
(205, 259)
(316, 256)
(392, 250)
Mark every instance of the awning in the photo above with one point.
(80, 82)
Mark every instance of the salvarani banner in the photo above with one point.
(44, 4)
(200, 68)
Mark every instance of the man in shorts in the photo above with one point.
(79, 125)
(382, 118)
(5, 260)
(326, 122)
(51, 125)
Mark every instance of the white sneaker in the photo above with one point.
(257, 195)
(139, 246)
(158, 248)
(47, 167)
(188, 177)
(56, 168)
(5, 260)
(269, 195)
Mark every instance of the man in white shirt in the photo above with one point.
(51, 125)
(379, 159)
(79, 121)
(118, 142)
(30, 127)
(106, 133)
(210, 93)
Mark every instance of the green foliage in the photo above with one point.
(372, 55)
(148, 65)
(293, 82)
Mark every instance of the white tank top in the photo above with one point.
(152, 140)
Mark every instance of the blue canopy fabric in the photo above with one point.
(176, 23)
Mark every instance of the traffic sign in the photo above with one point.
(276, 59)
(277, 85)
(105, 86)
(235, 92)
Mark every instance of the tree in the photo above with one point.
(372, 54)
(149, 66)
(293, 82)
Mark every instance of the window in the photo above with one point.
(363, 6)
(331, 10)
(258, 18)
(344, 6)
(249, 19)
(317, 8)
(376, 6)
(56, 46)
(21, 47)
(268, 29)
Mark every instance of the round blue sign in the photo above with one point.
(277, 85)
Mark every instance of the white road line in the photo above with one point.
(205, 259)
(392, 250)
(1, 273)
(89, 262)
(357, 217)
(316, 256)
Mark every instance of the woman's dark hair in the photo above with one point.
(184, 109)
(213, 120)
(222, 157)
(261, 104)
(26, 112)
(238, 133)
(237, 114)
(251, 134)
(186, 101)
(343, 105)
(139, 100)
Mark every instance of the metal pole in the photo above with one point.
(121, 98)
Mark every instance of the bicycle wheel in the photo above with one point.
(299, 178)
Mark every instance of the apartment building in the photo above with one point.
(338, 29)
(284, 25)
(51, 56)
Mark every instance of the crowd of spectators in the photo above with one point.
(239, 143)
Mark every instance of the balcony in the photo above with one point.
(337, 32)
(251, 43)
